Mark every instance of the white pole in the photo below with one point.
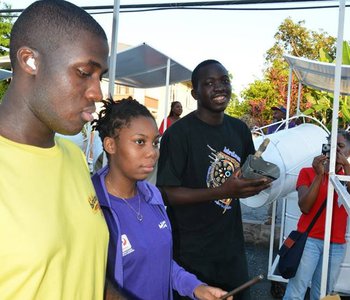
(114, 45)
(113, 57)
(299, 95)
(289, 96)
(334, 132)
(166, 94)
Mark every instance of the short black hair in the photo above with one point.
(118, 114)
(194, 77)
(47, 24)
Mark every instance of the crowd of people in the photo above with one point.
(65, 235)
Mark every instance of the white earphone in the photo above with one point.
(31, 63)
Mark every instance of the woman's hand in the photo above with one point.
(319, 164)
(206, 292)
(341, 159)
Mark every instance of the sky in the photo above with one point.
(238, 39)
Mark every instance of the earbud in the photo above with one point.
(31, 63)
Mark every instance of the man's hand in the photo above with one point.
(238, 187)
(205, 292)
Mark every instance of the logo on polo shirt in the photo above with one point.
(126, 245)
(162, 225)
(94, 204)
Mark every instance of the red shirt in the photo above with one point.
(339, 218)
(168, 123)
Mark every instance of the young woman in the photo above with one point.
(174, 115)
(140, 252)
(312, 186)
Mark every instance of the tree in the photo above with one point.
(5, 30)
(291, 38)
(295, 39)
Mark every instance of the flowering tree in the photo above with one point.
(295, 39)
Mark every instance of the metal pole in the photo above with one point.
(114, 45)
(289, 96)
(167, 80)
(299, 95)
(334, 132)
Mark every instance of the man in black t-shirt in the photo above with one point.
(198, 174)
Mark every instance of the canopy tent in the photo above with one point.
(5, 74)
(145, 67)
(5, 64)
(140, 67)
(319, 75)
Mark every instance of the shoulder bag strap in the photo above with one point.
(316, 216)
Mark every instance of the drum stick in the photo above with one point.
(243, 286)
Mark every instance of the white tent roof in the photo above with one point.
(5, 63)
(319, 75)
(5, 74)
(145, 67)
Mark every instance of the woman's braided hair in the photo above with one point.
(115, 115)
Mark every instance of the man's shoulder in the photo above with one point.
(186, 119)
(181, 125)
(234, 120)
(238, 125)
(66, 143)
(69, 148)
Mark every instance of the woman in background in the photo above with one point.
(174, 115)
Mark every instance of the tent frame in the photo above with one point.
(334, 183)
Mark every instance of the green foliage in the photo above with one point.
(272, 90)
(5, 30)
(297, 40)
(234, 108)
(324, 56)
(346, 53)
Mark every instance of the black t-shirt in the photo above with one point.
(194, 154)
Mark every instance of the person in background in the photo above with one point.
(53, 234)
(140, 254)
(312, 187)
(174, 115)
(198, 174)
(279, 114)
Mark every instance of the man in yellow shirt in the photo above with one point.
(53, 235)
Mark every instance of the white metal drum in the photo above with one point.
(290, 149)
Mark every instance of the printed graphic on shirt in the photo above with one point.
(126, 245)
(162, 225)
(95, 205)
(223, 165)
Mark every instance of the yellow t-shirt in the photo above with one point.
(53, 237)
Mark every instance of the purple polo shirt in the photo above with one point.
(146, 249)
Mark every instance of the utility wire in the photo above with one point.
(203, 5)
